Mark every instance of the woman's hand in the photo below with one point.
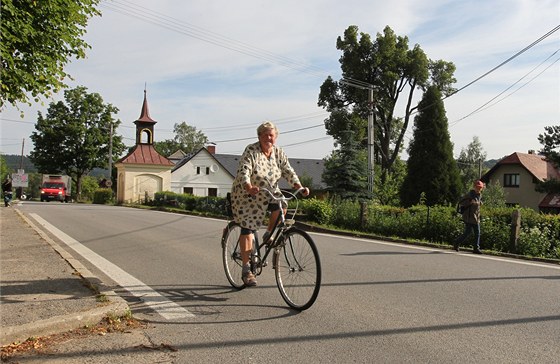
(305, 191)
(252, 190)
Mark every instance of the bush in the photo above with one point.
(345, 214)
(539, 235)
(317, 210)
(103, 196)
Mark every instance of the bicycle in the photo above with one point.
(295, 258)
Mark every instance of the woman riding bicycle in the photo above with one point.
(261, 166)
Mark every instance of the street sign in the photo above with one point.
(20, 180)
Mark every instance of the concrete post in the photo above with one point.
(514, 233)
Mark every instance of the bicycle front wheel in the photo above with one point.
(298, 269)
(231, 255)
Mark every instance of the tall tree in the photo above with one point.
(74, 136)
(186, 138)
(431, 166)
(470, 162)
(550, 140)
(392, 69)
(344, 168)
(37, 40)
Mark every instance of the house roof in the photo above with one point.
(535, 164)
(145, 154)
(178, 155)
(312, 168)
(552, 200)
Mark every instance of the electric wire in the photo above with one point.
(488, 104)
(131, 9)
(549, 33)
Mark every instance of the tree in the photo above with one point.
(74, 136)
(388, 192)
(431, 166)
(4, 169)
(344, 168)
(186, 138)
(550, 140)
(392, 70)
(37, 40)
(470, 162)
(494, 195)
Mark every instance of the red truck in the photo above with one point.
(56, 188)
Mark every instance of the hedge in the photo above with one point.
(539, 233)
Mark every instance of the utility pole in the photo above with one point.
(371, 136)
(371, 131)
(111, 153)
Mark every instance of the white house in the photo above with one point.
(201, 174)
(205, 173)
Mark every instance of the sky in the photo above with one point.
(226, 66)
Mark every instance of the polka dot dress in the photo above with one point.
(255, 168)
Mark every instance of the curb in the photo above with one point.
(116, 305)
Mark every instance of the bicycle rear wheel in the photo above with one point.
(231, 255)
(298, 269)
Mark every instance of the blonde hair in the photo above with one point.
(267, 125)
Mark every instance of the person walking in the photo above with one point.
(261, 166)
(7, 190)
(470, 210)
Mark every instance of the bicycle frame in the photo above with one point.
(279, 228)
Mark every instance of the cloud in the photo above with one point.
(223, 64)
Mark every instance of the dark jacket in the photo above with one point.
(471, 203)
(7, 186)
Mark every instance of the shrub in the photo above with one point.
(346, 214)
(166, 198)
(102, 196)
(317, 210)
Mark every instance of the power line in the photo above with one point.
(159, 19)
(253, 137)
(486, 104)
(549, 33)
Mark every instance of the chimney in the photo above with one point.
(211, 149)
(531, 151)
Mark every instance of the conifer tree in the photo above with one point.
(432, 170)
(344, 169)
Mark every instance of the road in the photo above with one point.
(379, 302)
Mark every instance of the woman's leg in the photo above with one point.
(246, 246)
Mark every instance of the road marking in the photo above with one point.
(444, 251)
(166, 308)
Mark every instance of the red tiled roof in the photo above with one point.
(145, 113)
(145, 154)
(535, 164)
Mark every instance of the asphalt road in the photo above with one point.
(379, 302)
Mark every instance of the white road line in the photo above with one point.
(463, 254)
(166, 308)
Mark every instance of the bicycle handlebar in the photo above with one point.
(283, 198)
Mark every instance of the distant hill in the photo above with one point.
(490, 163)
(14, 162)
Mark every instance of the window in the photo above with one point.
(511, 180)
(197, 170)
(213, 192)
(188, 190)
(207, 170)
